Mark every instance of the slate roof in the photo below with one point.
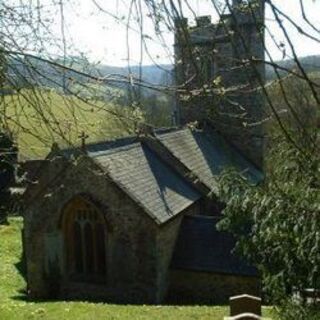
(154, 184)
(206, 153)
(147, 179)
(101, 146)
(200, 247)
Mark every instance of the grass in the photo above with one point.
(39, 117)
(14, 305)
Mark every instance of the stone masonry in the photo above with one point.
(221, 68)
(134, 242)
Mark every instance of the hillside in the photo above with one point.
(24, 72)
(68, 116)
(310, 64)
(38, 117)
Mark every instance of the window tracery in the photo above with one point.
(85, 240)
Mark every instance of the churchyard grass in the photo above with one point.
(14, 305)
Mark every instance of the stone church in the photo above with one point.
(134, 220)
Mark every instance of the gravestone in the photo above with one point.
(245, 304)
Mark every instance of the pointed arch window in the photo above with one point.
(85, 237)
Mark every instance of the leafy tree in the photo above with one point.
(295, 103)
(158, 109)
(278, 222)
(8, 157)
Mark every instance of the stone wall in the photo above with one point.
(193, 287)
(166, 239)
(131, 237)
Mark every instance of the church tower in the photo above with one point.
(220, 72)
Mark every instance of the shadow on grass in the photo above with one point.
(21, 268)
(23, 296)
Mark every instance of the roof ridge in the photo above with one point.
(114, 149)
(175, 162)
(120, 140)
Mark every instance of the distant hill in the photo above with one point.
(310, 64)
(31, 71)
(26, 72)
(66, 117)
(158, 75)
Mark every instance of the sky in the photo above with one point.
(101, 38)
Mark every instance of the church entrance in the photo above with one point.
(85, 236)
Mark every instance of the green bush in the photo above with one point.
(277, 223)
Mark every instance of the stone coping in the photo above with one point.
(246, 316)
(244, 296)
